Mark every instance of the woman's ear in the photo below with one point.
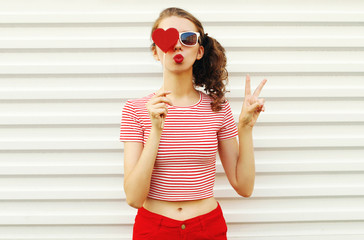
(200, 52)
(155, 54)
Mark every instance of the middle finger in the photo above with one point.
(259, 88)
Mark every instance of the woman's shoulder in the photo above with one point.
(139, 102)
(137, 105)
(224, 105)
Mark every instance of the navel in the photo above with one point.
(180, 209)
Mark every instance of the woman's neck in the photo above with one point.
(181, 85)
(183, 92)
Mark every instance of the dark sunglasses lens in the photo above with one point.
(189, 38)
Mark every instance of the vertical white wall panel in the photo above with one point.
(67, 67)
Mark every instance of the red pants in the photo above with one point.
(149, 225)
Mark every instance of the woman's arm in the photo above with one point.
(238, 158)
(238, 162)
(138, 167)
(138, 159)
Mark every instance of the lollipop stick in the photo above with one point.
(164, 67)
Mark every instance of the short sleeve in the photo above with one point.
(228, 128)
(131, 127)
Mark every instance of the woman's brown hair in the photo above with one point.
(210, 71)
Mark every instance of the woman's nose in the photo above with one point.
(178, 45)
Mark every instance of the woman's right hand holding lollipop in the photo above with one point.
(157, 108)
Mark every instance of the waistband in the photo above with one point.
(169, 222)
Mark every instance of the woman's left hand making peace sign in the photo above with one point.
(252, 106)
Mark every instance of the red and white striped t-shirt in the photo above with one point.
(186, 162)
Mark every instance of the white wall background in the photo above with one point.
(67, 67)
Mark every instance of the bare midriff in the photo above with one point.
(181, 210)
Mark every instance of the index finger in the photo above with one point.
(259, 88)
(247, 85)
(162, 93)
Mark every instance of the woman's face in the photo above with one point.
(190, 54)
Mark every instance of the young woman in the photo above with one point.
(171, 138)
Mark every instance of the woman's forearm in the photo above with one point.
(137, 183)
(245, 174)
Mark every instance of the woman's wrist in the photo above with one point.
(156, 130)
(244, 128)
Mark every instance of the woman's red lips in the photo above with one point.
(178, 58)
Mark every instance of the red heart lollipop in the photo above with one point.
(165, 40)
